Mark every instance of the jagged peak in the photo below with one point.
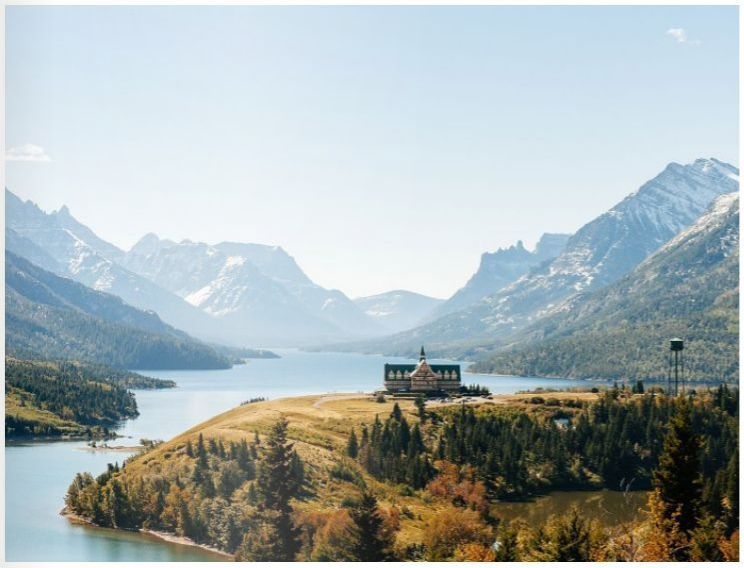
(12, 197)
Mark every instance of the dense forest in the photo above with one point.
(219, 493)
(259, 500)
(63, 397)
(49, 317)
(613, 443)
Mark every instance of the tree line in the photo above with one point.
(70, 391)
(613, 443)
(246, 497)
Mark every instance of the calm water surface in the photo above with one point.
(611, 508)
(38, 474)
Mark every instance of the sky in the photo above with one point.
(382, 147)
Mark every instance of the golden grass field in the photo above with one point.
(319, 426)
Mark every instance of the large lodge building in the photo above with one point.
(422, 377)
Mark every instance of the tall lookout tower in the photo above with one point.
(422, 377)
(676, 365)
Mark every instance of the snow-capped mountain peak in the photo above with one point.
(598, 254)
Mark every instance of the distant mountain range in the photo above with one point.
(251, 294)
(235, 293)
(47, 316)
(59, 243)
(600, 253)
(689, 288)
(398, 310)
(257, 292)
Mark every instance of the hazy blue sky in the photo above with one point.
(381, 147)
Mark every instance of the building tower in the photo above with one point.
(676, 346)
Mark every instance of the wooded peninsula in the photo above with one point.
(356, 478)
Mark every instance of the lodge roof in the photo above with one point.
(412, 367)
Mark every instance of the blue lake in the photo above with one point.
(37, 474)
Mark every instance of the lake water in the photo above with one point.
(611, 508)
(37, 474)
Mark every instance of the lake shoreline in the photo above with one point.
(165, 536)
(102, 449)
(165, 414)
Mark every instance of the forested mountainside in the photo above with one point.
(330, 480)
(53, 398)
(600, 253)
(689, 289)
(50, 317)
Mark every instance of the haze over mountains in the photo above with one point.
(252, 294)
(236, 293)
(598, 254)
(56, 318)
(59, 243)
(399, 309)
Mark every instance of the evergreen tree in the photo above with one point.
(421, 408)
(201, 452)
(352, 446)
(370, 541)
(677, 478)
(397, 414)
(276, 486)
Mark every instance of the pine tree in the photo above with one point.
(421, 408)
(678, 475)
(352, 446)
(397, 414)
(276, 486)
(201, 452)
(675, 503)
(264, 541)
(370, 541)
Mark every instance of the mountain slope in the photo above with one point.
(688, 288)
(501, 268)
(600, 253)
(399, 309)
(257, 292)
(47, 316)
(235, 293)
(79, 254)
